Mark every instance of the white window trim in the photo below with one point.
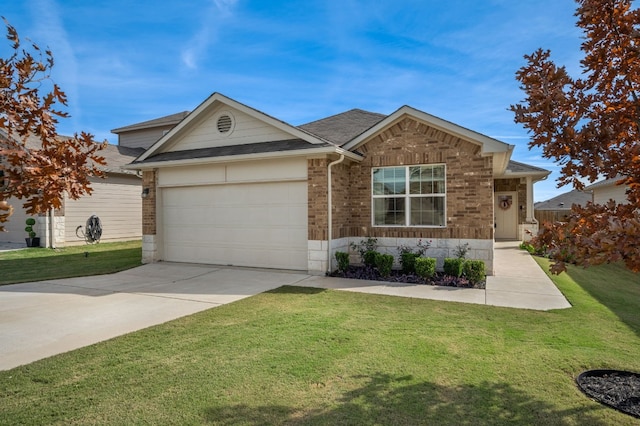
(407, 196)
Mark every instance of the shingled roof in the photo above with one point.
(167, 120)
(566, 200)
(116, 156)
(343, 127)
(233, 150)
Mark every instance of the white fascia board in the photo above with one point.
(247, 157)
(489, 145)
(218, 98)
(536, 176)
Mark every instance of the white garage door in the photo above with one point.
(257, 224)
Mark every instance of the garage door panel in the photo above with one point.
(261, 225)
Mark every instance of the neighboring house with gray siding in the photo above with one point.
(609, 189)
(144, 134)
(115, 200)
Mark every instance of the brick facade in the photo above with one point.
(469, 185)
(149, 180)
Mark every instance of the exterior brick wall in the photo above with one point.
(149, 180)
(317, 198)
(469, 185)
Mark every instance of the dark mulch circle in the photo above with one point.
(615, 388)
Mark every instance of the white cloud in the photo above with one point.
(207, 32)
(225, 6)
(49, 32)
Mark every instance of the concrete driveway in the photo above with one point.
(38, 320)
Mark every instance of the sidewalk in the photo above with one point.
(518, 283)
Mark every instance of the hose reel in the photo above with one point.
(92, 232)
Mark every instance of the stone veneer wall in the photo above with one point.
(43, 229)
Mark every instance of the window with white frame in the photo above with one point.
(409, 196)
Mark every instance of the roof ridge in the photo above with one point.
(342, 113)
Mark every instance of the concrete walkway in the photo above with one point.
(519, 282)
(38, 320)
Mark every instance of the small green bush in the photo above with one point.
(408, 262)
(425, 267)
(29, 228)
(384, 263)
(368, 244)
(369, 257)
(474, 271)
(461, 250)
(343, 261)
(453, 266)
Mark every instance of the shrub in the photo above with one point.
(409, 254)
(408, 262)
(461, 250)
(419, 249)
(533, 250)
(453, 266)
(364, 246)
(343, 261)
(474, 271)
(369, 257)
(384, 263)
(29, 228)
(425, 267)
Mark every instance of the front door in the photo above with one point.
(505, 210)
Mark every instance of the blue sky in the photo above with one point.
(123, 61)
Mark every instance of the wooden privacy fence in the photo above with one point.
(551, 215)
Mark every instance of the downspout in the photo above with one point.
(329, 208)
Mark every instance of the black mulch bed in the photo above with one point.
(397, 276)
(617, 389)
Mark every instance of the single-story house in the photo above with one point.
(232, 185)
(115, 200)
(608, 189)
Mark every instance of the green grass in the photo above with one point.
(308, 356)
(37, 264)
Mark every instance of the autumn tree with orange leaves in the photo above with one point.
(591, 127)
(36, 164)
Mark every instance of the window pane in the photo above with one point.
(389, 211)
(426, 180)
(389, 181)
(427, 211)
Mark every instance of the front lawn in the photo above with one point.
(308, 356)
(38, 264)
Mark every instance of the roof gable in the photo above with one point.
(614, 181)
(219, 122)
(500, 151)
(488, 145)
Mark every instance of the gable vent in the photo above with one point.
(224, 123)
